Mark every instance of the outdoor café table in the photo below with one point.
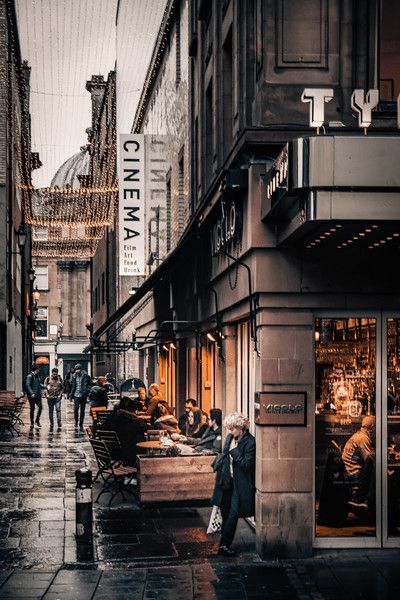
(152, 445)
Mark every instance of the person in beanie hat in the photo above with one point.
(54, 388)
(80, 388)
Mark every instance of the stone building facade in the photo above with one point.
(16, 164)
(280, 299)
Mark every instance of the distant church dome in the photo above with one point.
(68, 173)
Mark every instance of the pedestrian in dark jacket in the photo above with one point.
(80, 388)
(98, 393)
(234, 489)
(33, 389)
(68, 382)
(54, 389)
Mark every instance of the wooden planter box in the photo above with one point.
(175, 478)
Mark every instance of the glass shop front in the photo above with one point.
(357, 430)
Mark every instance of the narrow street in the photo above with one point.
(144, 553)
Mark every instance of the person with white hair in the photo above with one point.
(234, 489)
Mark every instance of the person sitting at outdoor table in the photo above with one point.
(128, 426)
(155, 398)
(193, 425)
(190, 405)
(212, 436)
(142, 398)
(164, 419)
(98, 393)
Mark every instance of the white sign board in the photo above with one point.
(131, 211)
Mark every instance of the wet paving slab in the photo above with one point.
(146, 553)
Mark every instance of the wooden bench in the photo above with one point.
(175, 478)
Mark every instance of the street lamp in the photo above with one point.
(21, 237)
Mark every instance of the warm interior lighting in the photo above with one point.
(164, 347)
(36, 295)
(317, 336)
(172, 346)
(211, 337)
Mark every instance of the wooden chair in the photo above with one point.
(112, 441)
(112, 472)
(95, 410)
(11, 408)
(102, 417)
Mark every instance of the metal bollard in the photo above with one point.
(83, 505)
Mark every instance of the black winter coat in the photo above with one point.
(86, 385)
(33, 386)
(98, 396)
(244, 471)
(130, 430)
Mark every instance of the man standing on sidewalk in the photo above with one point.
(34, 392)
(81, 384)
(54, 387)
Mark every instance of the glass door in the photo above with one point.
(357, 430)
(391, 432)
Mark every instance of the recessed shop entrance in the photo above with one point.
(357, 430)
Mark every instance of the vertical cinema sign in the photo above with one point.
(131, 211)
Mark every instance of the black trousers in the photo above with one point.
(79, 407)
(32, 403)
(230, 515)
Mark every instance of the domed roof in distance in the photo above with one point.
(68, 173)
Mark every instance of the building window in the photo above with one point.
(196, 165)
(168, 202)
(259, 30)
(41, 322)
(178, 44)
(103, 289)
(209, 131)
(227, 88)
(181, 190)
(389, 51)
(42, 277)
(246, 373)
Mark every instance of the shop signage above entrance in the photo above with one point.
(280, 408)
(361, 103)
(276, 179)
(227, 229)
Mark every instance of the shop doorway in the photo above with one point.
(357, 430)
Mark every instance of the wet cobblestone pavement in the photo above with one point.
(151, 553)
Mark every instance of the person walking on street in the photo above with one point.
(54, 387)
(68, 382)
(235, 489)
(80, 388)
(34, 393)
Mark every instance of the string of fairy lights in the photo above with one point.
(69, 221)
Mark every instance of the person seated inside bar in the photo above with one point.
(359, 459)
(164, 419)
(212, 436)
(128, 426)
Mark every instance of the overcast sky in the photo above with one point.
(65, 43)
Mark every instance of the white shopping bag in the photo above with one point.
(215, 523)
